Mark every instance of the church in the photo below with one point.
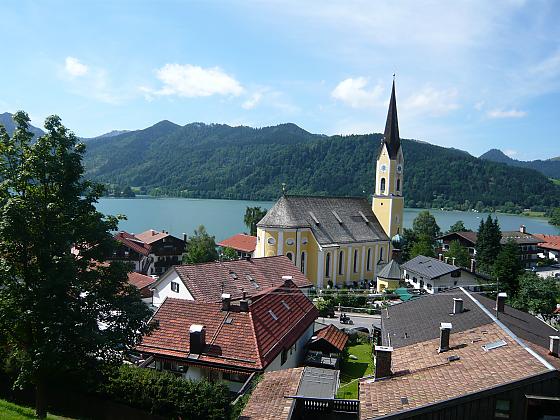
(340, 240)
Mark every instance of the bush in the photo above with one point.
(167, 395)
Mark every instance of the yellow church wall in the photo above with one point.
(312, 249)
(270, 250)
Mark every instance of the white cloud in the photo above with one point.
(355, 92)
(191, 81)
(510, 113)
(253, 101)
(74, 67)
(432, 101)
(510, 152)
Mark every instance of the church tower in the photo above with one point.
(388, 201)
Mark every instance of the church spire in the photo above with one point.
(391, 136)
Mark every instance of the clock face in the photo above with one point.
(399, 168)
(383, 168)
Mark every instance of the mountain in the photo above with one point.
(8, 123)
(549, 168)
(112, 134)
(219, 161)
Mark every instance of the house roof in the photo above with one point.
(132, 242)
(141, 281)
(468, 236)
(391, 271)
(422, 376)
(515, 235)
(240, 242)
(267, 401)
(206, 282)
(235, 339)
(332, 335)
(333, 220)
(429, 267)
(548, 241)
(318, 383)
(150, 236)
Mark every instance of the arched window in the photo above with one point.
(328, 265)
(369, 259)
(302, 263)
(398, 184)
(341, 263)
(290, 256)
(381, 254)
(355, 261)
(382, 185)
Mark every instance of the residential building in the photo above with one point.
(528, 243)
(462, 355)
(341, 240)
(432, 275)
(389, 277)
(149, 252)
(207, 282)
(230, 340)
(549, 246)
(325, 347)
(143, 283)
(244, 244)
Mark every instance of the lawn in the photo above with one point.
(352, 370)
(13, 411)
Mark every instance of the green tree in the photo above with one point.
(555, 217)
(536, 294)
(458, 226)
(425, 225)
(325, 306)
(423, 246)
(253, 215)
(460, 253)
(229, 254)
(408, 240)
(127, 192)
(488, 243)
(200, 248)
(507, 268)
(61, 311)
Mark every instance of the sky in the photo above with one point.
(473, 75)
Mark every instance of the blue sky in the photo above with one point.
(470, 74)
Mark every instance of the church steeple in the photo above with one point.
(391, 136)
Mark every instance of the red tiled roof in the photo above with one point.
(267, 401)
(240, 242)
(548, 241)
(246, 340)
(133, 242)
(206, 281)
(333, 336)
(151, 236)
(140, 280)
(469, 236)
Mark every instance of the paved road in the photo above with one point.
(359, 321)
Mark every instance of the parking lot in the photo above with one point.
(359, 320)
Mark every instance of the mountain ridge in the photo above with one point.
(549, 167)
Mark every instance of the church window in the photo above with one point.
(398, 184)
(290, 241)
(328, 265)
(382, 188)
(271, 241)
(290, 256)
(380, 254)
(341, 263)
(369, 259)
(302, 263)
(355, 261)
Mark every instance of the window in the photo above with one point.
(429, 286)
(421, 283)
(398, 184)
(407, 276)
(273, 315)
(328, 265)
(502, 409)
(290, 241)
(355, 261)
(271, 241)
(382, 188)
(369, 259)
(302, 263)
(290, 256)
(284, 356)
(175, 286)
(380, 254)
(341, 263)
(234, 377)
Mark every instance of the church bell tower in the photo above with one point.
(388, 201)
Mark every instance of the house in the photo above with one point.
(325, 347)
(549, 246)
(208, 281)
(432, 275)
(149, 252)
(299, 393)
(462, 355)
(341, 240)
(230, 340)
(143, 283)
(528, 243)
(244, 244)
(389, 277)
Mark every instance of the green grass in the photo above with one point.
(556, 181)
(533, 213)
(352, 370)
(11, 411)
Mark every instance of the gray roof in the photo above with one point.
(391, 271)
(429, 267)
(318, 383)
(333, 220)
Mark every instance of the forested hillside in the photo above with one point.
(549, 167)
(8, 123)
(219, 161)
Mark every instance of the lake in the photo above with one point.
(223, 218)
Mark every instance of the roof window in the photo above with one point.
(286, 305)
(273, 315)
(494, 345)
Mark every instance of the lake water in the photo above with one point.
(223, 218)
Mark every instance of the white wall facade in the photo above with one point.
(440, 284)
(162, 288)
(295, 354)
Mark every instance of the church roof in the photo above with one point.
(391, 135)
(391, 271)
(333, 220)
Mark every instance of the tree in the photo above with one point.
(555, 217)
(408, 240)
(200, 248)
(460, 253)
(253, 215)
(488, 243)
(536, 294)
(325, 306)
(229, 254)
(423, 246)
(61, 310)
(458, 226)
(425, 225)
(507, 268)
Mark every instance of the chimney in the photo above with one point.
(500, 302)
(244, 303)
(197, 335)
(446, 260)
(554, 345)
(453, 260)
(287, 279)
(184, 237)
(226, 301)
(383, 361)
(440, 256)
(523, 229)
(473, 265)
(457, 306)
(444, 333)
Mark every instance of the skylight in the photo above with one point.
(494, 345)
(233, 275)
(314, 218)
(252, 281)
(286, 305)
(273, 315)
